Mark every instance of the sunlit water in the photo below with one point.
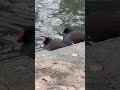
(53, 15)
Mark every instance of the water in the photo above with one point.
(53, 15)
(12, 16)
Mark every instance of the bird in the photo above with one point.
(72, 37)
(50, 44)
(27, 38)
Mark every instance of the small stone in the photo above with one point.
(74, 54)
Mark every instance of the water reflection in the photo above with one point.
(52, 15)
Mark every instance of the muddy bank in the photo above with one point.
(61, 69)
(59, 75)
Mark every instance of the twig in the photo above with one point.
(38, 63)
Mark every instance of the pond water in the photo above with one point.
(53, 15)
(50, 16)
(14, 16)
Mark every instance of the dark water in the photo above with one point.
(102, 20)
(14, 16)
(53, 15)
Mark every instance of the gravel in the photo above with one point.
(74, 53)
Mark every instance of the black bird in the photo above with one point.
(51, 44)
(27, 37)
(72, 37)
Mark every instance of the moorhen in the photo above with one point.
(27, 37)
(72, 37)
(51, 44)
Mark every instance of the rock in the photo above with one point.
(59, 70)
(103, 57)
(17, 73)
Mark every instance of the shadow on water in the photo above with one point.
(102, 21)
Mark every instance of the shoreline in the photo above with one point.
(61, 69)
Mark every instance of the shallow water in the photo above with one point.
(53, 15)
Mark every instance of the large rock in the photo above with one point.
(61, 69)
(102, 65)
(17, 74)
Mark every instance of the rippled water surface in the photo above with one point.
(52, 15)
(14, 16)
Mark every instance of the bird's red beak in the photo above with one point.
(43, 41)
(20, 37)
